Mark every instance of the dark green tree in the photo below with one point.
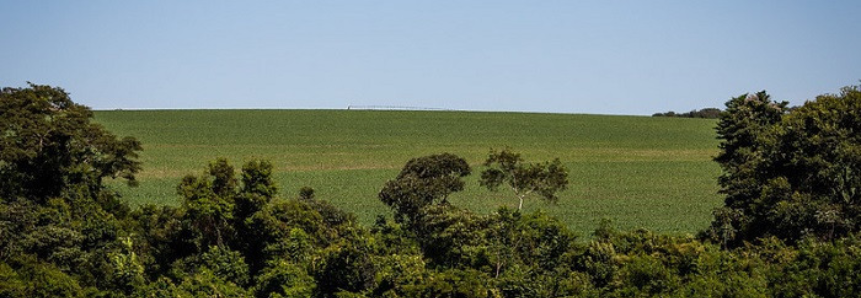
(746, 119)
(209, 204)
(31, 278)
(161, 237)
(790, 175)
(467, 283)
(346, 267)
(293, 230)
(450, 236)
(217, 206)
(306, 193)
(422, 182)
(227, 264)
(741, 129)
(506, 167)
(56, 209)
(48, 144)
(534, 241)
(284, 279)
(258, 190)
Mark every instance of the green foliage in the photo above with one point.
(531, 242)
(11, 283)
(347, 267)
(127, 268)
(258, 187)
(232, 237)
(451, 283)
(161, 288)
(396, 273)
(422, 182)
(647, 276)
(254, 244)
(599, 262)
(59, 235)
(293, 230)
(308, 248)
(47, 145)
(306, 193)
(284, 279)
(823, 269)
(208, 284)
(790, 175)
(746, 117)
(450, 236)
(218, 208)
(543, 179)
(227, 264)
(207, 211)
(28, 277)
(57, 215)
(160, 237)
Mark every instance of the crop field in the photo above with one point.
(653, 173)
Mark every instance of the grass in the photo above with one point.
(653, 173)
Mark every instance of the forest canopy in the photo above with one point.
(789, 226)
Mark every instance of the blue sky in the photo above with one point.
(599, 57)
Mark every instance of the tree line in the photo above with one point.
(789, 226)
(707, 113)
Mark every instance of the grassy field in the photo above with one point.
(646, 172)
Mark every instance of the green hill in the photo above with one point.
(646, 172)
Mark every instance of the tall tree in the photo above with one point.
(54, 207)
(47, 144)
(506, 167)
(742, 125)
(790, 175)
(746, 119)
(422, 182)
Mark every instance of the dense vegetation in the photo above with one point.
(793, 174)
(660, 169)
(231, 237)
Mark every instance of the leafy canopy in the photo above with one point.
(48, 144)
(506, 167)
(422, 182)
(790, 174)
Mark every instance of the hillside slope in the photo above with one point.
(647, 172)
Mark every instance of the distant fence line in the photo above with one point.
(374, 107)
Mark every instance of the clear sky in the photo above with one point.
(599, 57)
